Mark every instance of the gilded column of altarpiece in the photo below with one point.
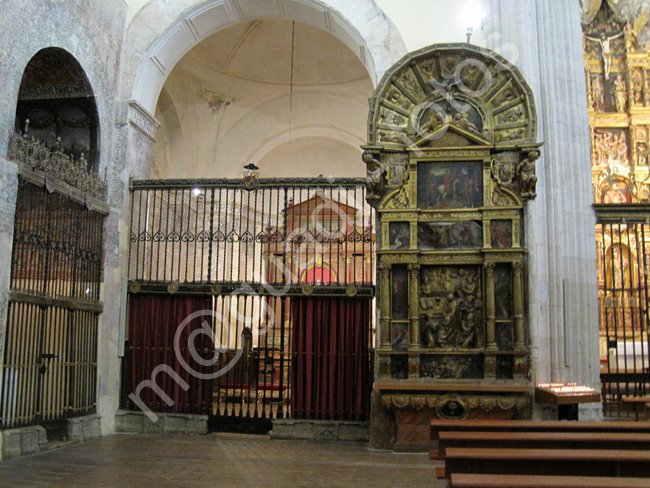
(451, 163)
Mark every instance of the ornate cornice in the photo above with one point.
(142, 120)
(34, 156)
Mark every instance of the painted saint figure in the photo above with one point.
(598, 94)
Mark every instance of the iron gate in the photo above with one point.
(50, 360)
(623, 238)
(256, 248)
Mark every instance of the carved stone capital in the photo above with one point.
(413, 268)
(384, 268)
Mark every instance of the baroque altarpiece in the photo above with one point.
(616, 42)
(451, 164)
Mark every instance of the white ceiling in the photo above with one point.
(313, 126)
(261, 51)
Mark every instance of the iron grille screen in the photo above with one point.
(623, 279)
(315, 232)
(50, 362)
(256, 254)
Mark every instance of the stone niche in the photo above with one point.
(450, 166)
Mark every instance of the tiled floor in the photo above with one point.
(216, 460)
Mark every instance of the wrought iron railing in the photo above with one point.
(300, 232)
(50, 360)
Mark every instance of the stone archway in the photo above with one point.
(154, 52)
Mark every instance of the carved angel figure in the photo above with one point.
(375, 171)
(526, 171)
(632, 30)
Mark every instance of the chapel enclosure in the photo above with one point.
(282, 273)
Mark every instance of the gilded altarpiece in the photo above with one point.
(451, 164)
(616, 41)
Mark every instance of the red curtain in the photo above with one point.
(330, 360)
(153, 322)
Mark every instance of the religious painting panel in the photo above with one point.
(503, 292)
(399, 366)
(505, 367)
(399, 235)
(504, 335)
(399, 336)
(610, 148)
(457, 366)
(449, 185)
(615, 192)
(399, 293)
(451, 307)
(450, 235)
(501, 234)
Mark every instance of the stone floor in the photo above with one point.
(216, 460)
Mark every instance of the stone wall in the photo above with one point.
(167, 423)
(321, 430)
(32, 439)
(92, 32)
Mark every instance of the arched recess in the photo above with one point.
(57, 250)
(372, 37)
(57, 99)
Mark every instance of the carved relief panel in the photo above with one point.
(617, 63)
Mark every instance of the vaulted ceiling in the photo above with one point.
(286, 96)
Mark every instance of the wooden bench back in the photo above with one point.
(541, 440)
(438, 425)
(463, 480)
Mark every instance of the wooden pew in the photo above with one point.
(640, 405)
(560, 462)
(461, 480)
(541, 440)
(438, 425)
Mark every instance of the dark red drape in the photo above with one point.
(330, 360)
(153, 321)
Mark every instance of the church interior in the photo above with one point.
(414, 227)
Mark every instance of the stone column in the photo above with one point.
(543, 38)
(518, 305)
(384, 305)
(132, 143)
(414, 305)
(490, 342)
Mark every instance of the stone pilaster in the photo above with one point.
(414, 305)
(133, 138)
(518, 304)
(9, 185)
(490, 340)
(384, 305)
(543, 38)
